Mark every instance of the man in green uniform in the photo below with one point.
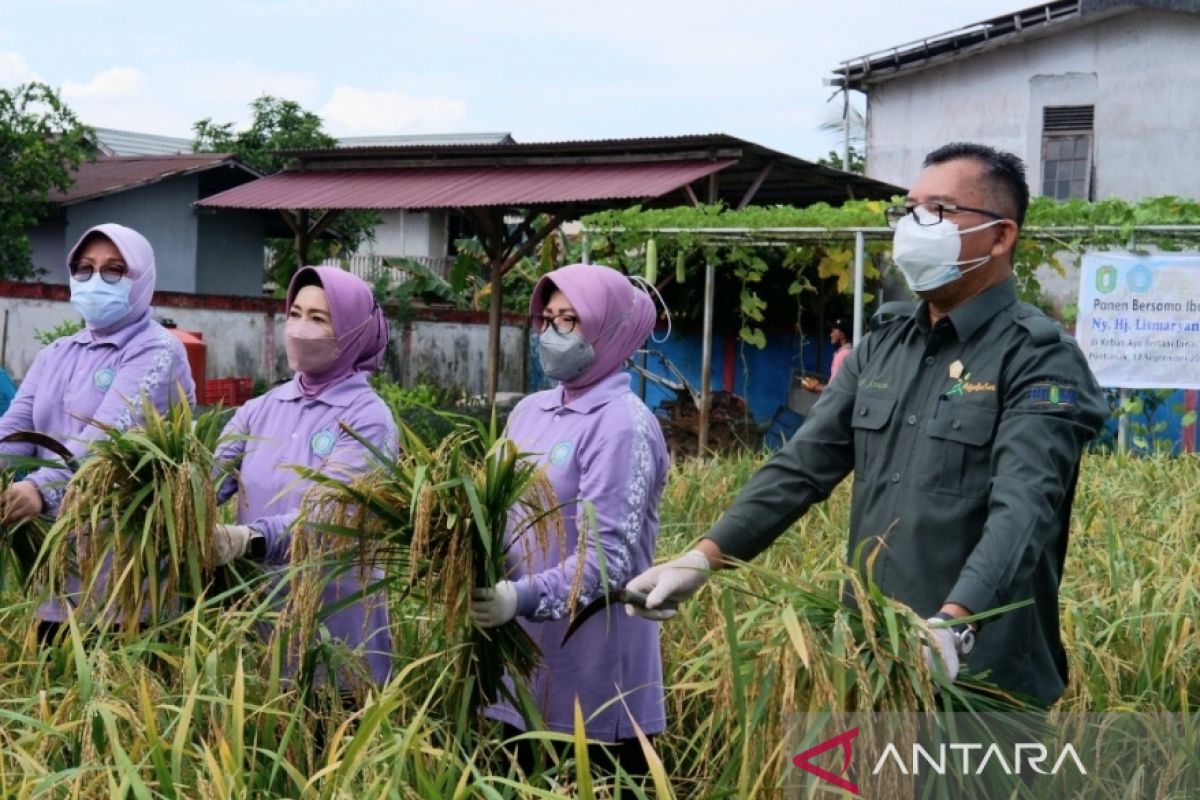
(963, 423)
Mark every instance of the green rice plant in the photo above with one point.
(195, 708)
(143, 505)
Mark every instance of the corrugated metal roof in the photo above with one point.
(1040, 20)
(117, 174)
(425, 140)
(130, 143)
(464, 187)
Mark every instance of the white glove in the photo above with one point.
(943, 640)
(230, 542)
(667, 585)
(495, 606)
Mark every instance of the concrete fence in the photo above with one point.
(244, 337)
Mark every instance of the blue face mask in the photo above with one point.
(564, 356)
(100, 303)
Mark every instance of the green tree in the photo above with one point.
(280, 125)
(41, 144)
(277, 125)
(858, 161)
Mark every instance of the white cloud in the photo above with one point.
(112, 82)
(351, 110)
(14, 70)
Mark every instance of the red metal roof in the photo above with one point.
(464, 187)
(121, 173)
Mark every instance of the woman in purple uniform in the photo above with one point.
(604, 454)
(335, 337)
(103, 373)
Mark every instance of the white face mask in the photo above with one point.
(101, 304)
(928, 254)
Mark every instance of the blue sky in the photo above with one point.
(539, 69)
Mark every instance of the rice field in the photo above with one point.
(195, 705)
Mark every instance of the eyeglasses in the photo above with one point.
(934, 211)
(109, 273)
(562, 323)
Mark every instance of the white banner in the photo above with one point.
(1139, 319)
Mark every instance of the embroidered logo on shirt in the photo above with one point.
(560, 453)
(1050, 395)
(963, 383)
(322, 442)
(103, 378)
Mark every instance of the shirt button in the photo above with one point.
(556, 416)
(895, 477)
(929, 361)
(294, 435)
(862, 412)
(956, 424)
(912, 419)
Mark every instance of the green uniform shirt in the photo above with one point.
(965, 443)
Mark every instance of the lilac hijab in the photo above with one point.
(139, 257)
(616, 315)
(359, 325)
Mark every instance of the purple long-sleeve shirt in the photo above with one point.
(91, 377)
(605, 456)
(284, 428)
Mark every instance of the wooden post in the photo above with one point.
(302, 237)
(494, 311)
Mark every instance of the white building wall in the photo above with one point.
(417, 234)
(1139, 69)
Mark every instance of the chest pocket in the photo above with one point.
(871, 415)
(960, 452)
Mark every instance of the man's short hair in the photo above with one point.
(1004, 172)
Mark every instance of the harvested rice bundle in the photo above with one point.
(137, 517)
(436, 518)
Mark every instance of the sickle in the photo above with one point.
(45, 442)
(616, 596)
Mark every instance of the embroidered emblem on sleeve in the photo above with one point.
(103, 378)
(560, 453)
(1051, 395)
(322, 442)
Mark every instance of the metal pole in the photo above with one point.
(706, 355)
(860, 247)
(494, 331)
(1123, 394)
(710, 279)
(846, 122)
(1122, 423)
(586, 257)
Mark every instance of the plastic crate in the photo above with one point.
(228, 392)
(219, 390)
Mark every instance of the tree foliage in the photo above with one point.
(279, 125)
(821, 266)
(41, 144)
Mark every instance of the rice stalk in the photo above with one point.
(137, 518)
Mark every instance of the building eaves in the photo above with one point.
(764, 175)
(115, 174)
(1035, 21)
